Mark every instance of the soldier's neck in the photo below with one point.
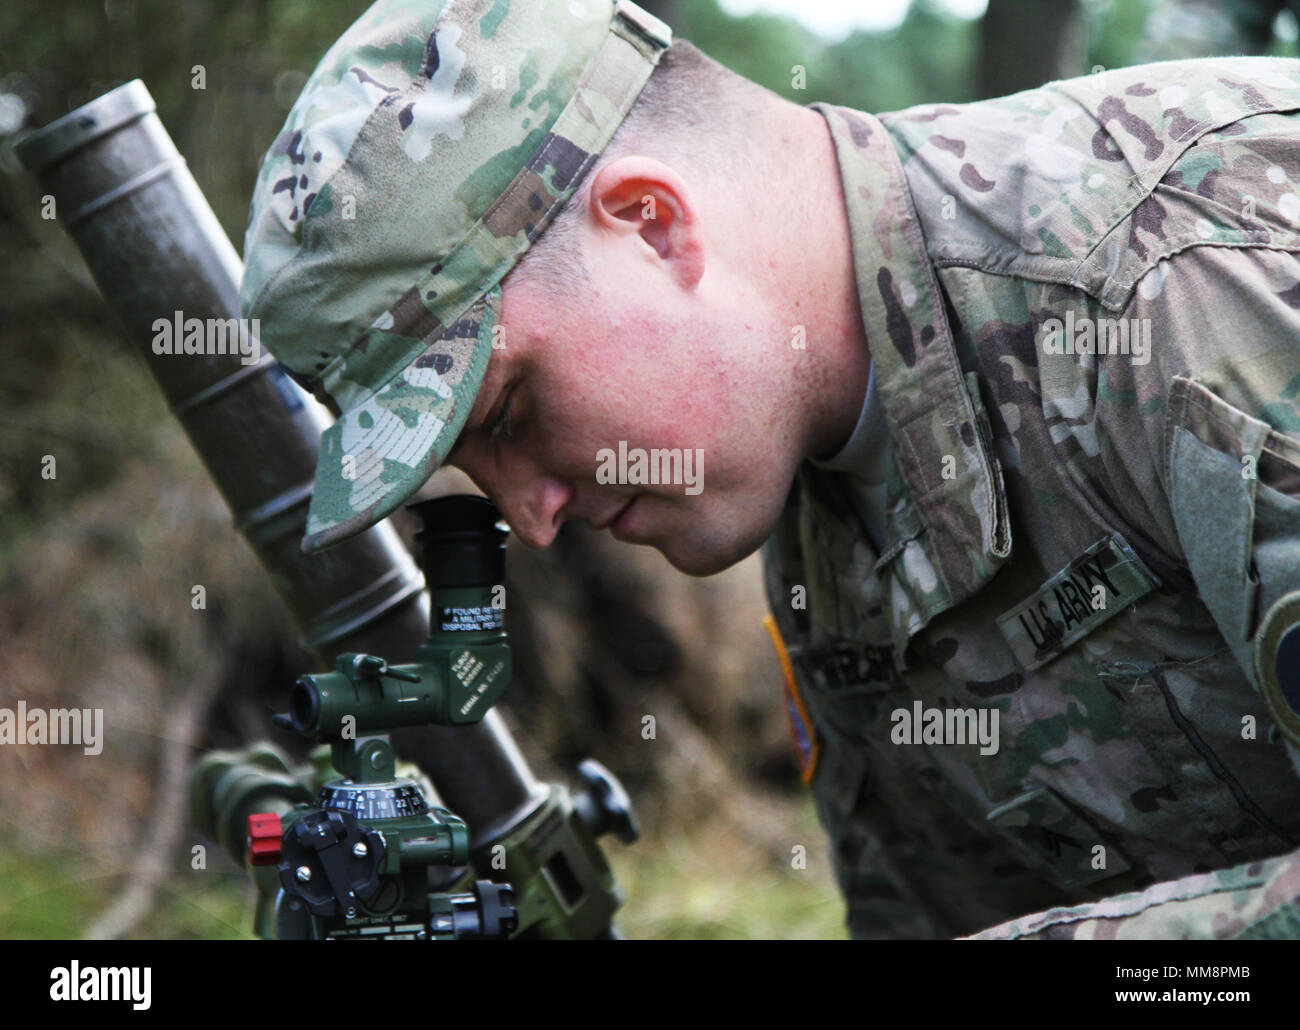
(822, 288)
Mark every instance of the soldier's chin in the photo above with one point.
(699, 558)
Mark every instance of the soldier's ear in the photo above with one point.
(641, 199)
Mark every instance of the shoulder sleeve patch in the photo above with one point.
(1277, 664)
(802, 729)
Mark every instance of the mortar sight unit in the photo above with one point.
(360, 861)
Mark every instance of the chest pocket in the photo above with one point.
(844, 596)
(1057, 841)
(846, 659)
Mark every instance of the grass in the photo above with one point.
(713, 884)
(54, 898)
(708, 883)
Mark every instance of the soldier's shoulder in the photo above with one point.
(1045, 184)
(1132, 116)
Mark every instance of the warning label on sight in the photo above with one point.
(471, 620)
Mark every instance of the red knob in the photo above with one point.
(264, 836)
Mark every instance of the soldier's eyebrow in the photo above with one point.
(471, 427)
(465, 430)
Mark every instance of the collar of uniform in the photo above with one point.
(866, 452)
(941, 439)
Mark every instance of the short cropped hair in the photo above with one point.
(693, 114)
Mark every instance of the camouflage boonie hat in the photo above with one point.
(431, 146)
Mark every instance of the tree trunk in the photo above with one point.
(1025, 43)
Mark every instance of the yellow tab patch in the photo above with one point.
(802, 730)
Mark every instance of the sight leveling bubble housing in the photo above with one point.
(358, 863)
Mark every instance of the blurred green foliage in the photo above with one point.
(709, 885)
(53, 897)
(255, 56)
(706, 885)
(930, 56)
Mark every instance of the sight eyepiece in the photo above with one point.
(463, 542)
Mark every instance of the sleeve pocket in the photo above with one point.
(1234, 486)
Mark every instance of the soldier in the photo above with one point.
(1011, 390)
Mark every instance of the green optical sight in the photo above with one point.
(460, 670)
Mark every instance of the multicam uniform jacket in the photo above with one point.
(1083, 306)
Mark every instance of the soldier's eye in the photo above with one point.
(502, 427)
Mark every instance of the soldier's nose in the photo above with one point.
(536, 514)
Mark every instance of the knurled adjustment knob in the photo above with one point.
(265, 835)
